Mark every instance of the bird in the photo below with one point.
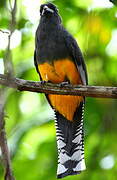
(58, 59)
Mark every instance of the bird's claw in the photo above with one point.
(65, 83)
(43, 82)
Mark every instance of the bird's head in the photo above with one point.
(48, 9)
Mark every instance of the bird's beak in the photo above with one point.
(47, 9)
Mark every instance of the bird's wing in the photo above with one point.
(36, 64)
(35, 61)
(76, 55)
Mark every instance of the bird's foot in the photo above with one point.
(43, 82)
(65, 83)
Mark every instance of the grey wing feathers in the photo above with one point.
(77, 56)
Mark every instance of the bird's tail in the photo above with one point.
(70, 144)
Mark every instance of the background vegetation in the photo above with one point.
(29, 118)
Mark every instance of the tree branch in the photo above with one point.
(49, 88)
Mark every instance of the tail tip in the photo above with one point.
(71, 171)
(59, 176)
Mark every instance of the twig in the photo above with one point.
(13, 10)
(6, 32)
(10, 5)
(49, 88)
(3, 141)
(8, 57)
(9, 71)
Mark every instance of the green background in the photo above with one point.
(29, 118)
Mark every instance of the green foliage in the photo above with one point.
(29, 120)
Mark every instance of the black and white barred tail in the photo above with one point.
(70, 142)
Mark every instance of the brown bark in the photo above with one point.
(49, 88)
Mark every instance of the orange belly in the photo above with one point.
(57, 73)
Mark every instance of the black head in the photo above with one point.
(48, 9)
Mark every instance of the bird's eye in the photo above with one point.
(46, 9)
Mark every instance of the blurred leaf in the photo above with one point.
(114, 1)
(21, 23)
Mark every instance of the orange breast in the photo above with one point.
(57, 73)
